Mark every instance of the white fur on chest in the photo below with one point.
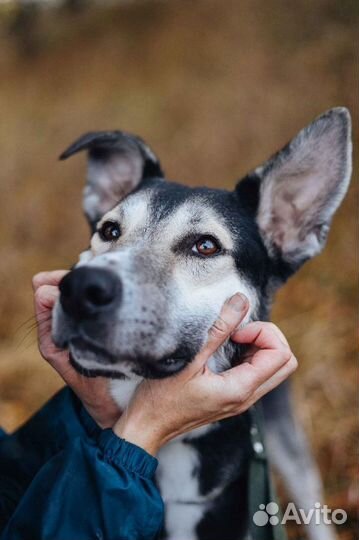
(177, 473)
(181, 520)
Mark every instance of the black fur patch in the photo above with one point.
(223, 451)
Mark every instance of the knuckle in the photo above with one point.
(271, 326)
(285, 352)
(278, 332)
(37, 279)
(265, 331)
(39, 293)
(290, 366)
(219, 328)
(274, 329)
(293, 363)
(268, 327)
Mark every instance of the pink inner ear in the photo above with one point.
(305, 185)
(110, 181)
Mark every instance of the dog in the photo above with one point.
(163, 259)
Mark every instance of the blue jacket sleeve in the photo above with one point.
(97, 486)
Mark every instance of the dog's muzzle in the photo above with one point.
(90, 298)
(87, 293)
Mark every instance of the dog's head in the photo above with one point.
(164, 257)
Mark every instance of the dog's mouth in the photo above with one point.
(161, 368)
(82, 348)
(92, 360)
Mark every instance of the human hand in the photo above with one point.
(162, 409)
(93, 392)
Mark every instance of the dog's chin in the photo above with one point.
(93, 361)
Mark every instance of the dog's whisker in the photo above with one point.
(41, 322)
(31, 323)
(23, 340)
(30, 344)
(34, 317)
(37, 324)
(24, 323)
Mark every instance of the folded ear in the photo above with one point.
(117, 162)
(296, 192)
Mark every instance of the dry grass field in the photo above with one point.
(215, 86)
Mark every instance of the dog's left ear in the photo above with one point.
(117, 163)
(295, 194)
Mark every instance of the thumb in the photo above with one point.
(232, 314)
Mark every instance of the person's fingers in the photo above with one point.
(45, 298)
(280, 376)
(276, 379)
(264, 335)
(232, 314)
(244, 379)
(48, 278)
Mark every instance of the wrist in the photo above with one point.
(139, 432)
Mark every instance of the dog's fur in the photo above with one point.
(161, 295)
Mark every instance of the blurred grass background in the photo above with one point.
(215, 87)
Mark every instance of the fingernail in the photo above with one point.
(238, 302)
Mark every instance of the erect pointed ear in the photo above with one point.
(295, 194)
(117, 162)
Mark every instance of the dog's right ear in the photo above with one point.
(294, 195)
(117, 163)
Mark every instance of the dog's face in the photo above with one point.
(165, 257)
(168, 257)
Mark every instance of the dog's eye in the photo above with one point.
(110, 231)
(206, 246)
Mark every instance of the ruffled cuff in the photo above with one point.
(117, 451)
(126, 454)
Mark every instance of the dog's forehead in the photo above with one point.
(172, 210)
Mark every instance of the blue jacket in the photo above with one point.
(63, 478)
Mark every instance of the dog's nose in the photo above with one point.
(87, 292)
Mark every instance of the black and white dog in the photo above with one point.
(163, 259)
